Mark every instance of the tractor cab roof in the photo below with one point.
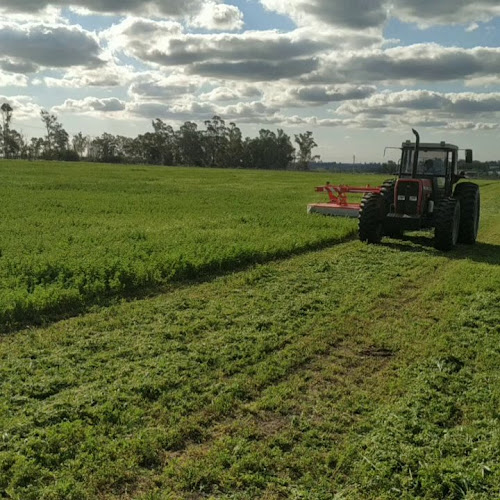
(430, 145)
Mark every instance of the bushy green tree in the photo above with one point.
(268, 151)
(105, 149)
(189, 142)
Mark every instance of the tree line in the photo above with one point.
(217, 145)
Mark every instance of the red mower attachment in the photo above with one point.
(338, 205)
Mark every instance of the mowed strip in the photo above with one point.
(277, 381)
(405, 406)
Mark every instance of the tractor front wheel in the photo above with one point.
(387, 192)
(447, 224)
(371, 218)
(468, 194)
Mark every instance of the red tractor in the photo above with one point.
(423, 197)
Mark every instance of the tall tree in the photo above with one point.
(190, 147)
(234, 153)
(57, 139)
(7, 111)
(18, 147)
(80, 143)
(49, 121)
(215, 141)
(61, 139)
(149, 149)
(165, 143)
(306, 145)
(286, 152)
(35, 148)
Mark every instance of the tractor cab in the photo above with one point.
(434, 159)
(435, 162)
(427, 174)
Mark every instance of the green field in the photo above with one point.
(74, 235)
(277, 357)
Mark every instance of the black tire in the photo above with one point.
(470, 203)
(371, 218)
(387, 192)
(447, 224)
(393, 232)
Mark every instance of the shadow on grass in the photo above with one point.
(188, 276)
(485, 253)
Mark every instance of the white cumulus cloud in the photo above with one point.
(366, 14)
(13, 80)
(216, 16)
(49, 45)
(167, 8)
(91, 105)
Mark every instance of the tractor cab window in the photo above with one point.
(430, 162)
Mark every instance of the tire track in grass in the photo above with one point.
(246, 454)
(269, 461)
(357, 361)
(308, 351)
(439, 437)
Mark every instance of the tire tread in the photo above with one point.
(468, 194)
(371, 218)
(444, 224)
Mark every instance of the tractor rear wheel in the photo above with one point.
(447, 224)
(468, 194)
(371, 218)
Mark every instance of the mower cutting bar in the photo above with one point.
(338, 204)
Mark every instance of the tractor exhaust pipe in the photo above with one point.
(415, 156)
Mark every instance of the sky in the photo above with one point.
(359, 74)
